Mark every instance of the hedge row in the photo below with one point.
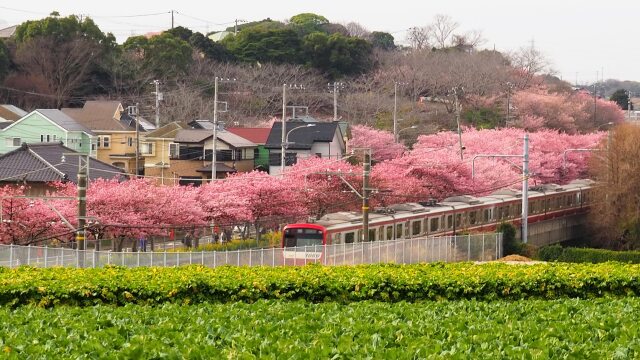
(195, 284)
(586, 255)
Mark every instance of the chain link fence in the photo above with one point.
(476, 247)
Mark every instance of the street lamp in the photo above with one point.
(286, 143)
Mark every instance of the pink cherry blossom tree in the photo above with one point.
(320, 189)
(382, 145)
(27, 221)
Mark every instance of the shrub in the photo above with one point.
(586, 255)
(510, 244)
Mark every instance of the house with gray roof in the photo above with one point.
(191, 156)
(48, 125)
(10, 113)
(303, 140)
(37, 165)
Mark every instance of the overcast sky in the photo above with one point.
(580, 38)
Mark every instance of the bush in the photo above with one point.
(510, 244)
(586, 255)
(384, 282)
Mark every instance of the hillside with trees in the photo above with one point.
(493, 89)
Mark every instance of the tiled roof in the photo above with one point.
(301, 139)
(200, 135)
(220, 167)
(256, 135)
(63, 120)
(10, 112)
(167, 131)
(99, 116)
(192, 135)
(42, 162)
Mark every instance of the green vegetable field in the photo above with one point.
(459, 311)
(467, 329)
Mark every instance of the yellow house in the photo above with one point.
(160, 149)
(116, 133)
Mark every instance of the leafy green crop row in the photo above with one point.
(586, 255)
(114, 285)
(533, 329)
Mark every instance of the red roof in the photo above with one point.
(255, 135)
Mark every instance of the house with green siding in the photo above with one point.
(48, 126)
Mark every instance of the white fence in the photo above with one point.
(477, 247)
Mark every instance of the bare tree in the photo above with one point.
(530, 62)
(419, 37)
(357, 30)
(442, 30)
(64, 66)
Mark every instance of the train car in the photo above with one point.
(302, 242)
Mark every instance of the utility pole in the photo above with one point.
(172, 19)
(215, 129)
(235, 28)
(628, 105)
(133, 111)
(284, 127)
(366, 171)
(525, 189)
(395, 109)
(158, 98)
(83, 166)
(335, 89)
(509, 87)
(595, 102)
(457, 105)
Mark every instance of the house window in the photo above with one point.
(146, 148)
(174, 150)
(106, 142)
(13, 142)
(318, 155)
(129, 141)
(99, 142)
(94, 146)
(45, 138)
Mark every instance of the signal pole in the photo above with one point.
(335, 89)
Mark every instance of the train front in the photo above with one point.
(303, 243)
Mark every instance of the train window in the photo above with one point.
(472, 217)
(486, 216)
(547, 205)
(518, 210)
(434, 224)
(458, 220)
(398, 231)
(449, 221)
(335, 238)
(349, 237)
(406, 229)
(390, 232)
(359, 237)
(425, 226)
(381, 233)
(415, 228)
(372, 234)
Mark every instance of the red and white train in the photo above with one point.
(454, 214)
